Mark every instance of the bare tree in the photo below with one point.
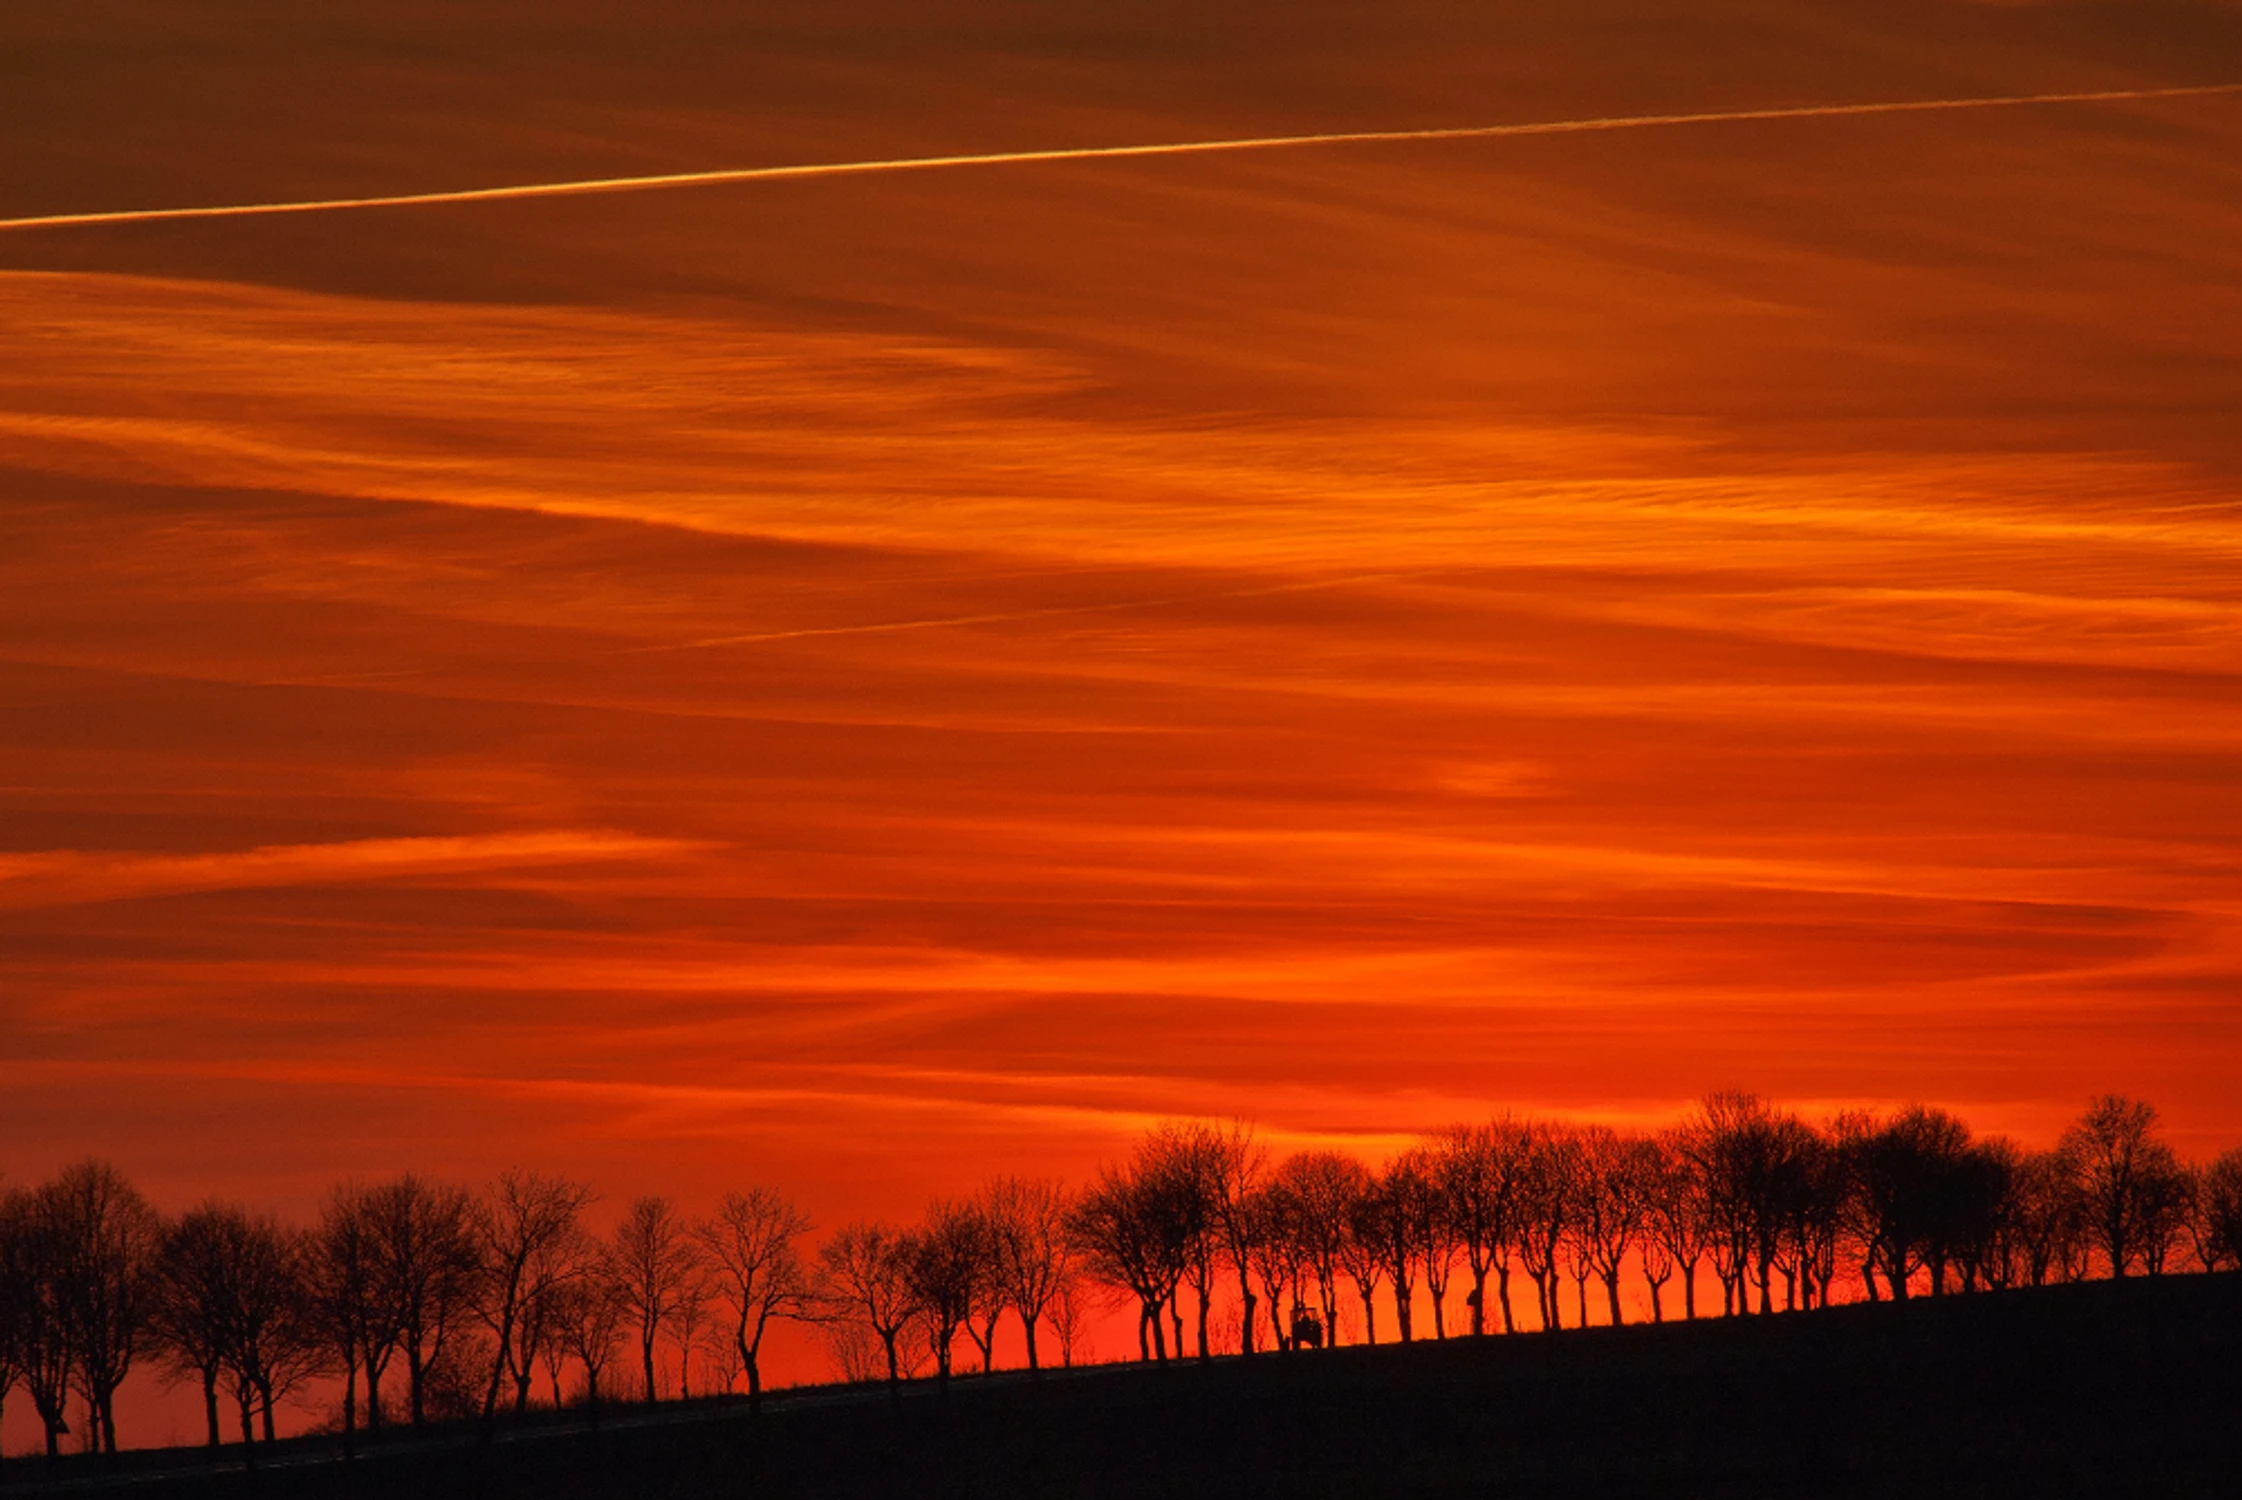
(1361, 1251)
(1775, 1155)
(45, 1339)
(2125, 1178)
(1028, 1220)
(1075, 1303)
(951, 1264)
(855, 1350)
(1426, 1231)
(868, 1278)
(1793, 1189)
(655, 1261)
(1984, 1225)
(1816, 1213)
(1674, 1226)
(692, 1327)
(2167, 1208)
(1324, 1187)
(1135, 1225)
(1388, 1229)
(750, 1245)
(105, 1239)
(1439, 1243)
(15, 1296)
(274, 1348)
(234, 1297)
(1719, 1141)
(529, 1238)
(1273, 1253)
(1575, 1255)
(194, 1313)
(351, 1299)
(429, 1270)
(2050, 1218)
(1196, 1161)
(1936, 1167)
(1545, 1208)
(724, 1364)
(590, 1312)
(1615, 1190)
(2218, 1213)
(540, 1330)
(1235, 1164)
(1480, 1172)
(1757, 1169)
(988, 1302)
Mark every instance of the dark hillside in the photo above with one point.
(2102, 1389)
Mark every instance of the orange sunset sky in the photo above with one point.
(858, 684)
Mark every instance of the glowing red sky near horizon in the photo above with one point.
(864, 684)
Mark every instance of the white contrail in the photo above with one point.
(592, 185)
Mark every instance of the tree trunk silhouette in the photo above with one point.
(350, 1406)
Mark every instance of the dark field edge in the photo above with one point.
(2099, 1389)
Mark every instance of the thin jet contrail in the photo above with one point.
(592, 185)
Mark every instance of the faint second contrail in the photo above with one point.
(590, 185)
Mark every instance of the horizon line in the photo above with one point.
(592, 186)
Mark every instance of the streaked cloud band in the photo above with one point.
(71, 877)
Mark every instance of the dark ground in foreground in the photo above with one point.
(2104, 1389)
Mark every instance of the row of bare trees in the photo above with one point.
(1777, 1211)
(1774, 1209)
(462, 1299)
(423, 1300)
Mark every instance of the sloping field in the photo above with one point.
(2102, 1389)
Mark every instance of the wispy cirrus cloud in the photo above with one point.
(73, 877)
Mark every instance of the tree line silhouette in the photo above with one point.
(427, 1301)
